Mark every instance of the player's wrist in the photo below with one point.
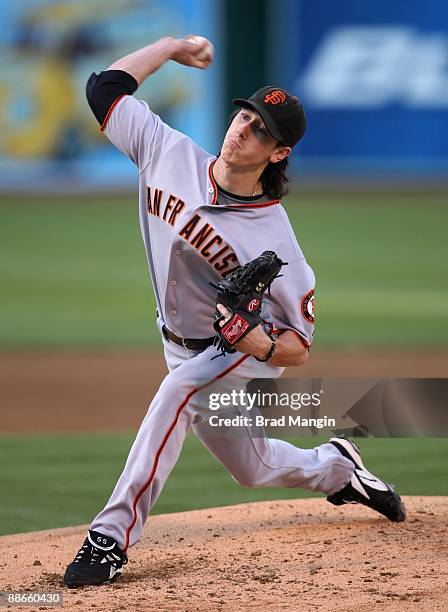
(269, 352)
(170, 47)
(177, 49)
(264, 349)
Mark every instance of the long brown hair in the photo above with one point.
(273, 178)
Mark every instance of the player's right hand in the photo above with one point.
(191, 54)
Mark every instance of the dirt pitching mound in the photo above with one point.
(300, 555)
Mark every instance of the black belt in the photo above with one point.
(189, 343)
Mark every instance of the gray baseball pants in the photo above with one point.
(252, 461)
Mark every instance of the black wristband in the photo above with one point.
(270, 353)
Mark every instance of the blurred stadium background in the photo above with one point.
(79, 348)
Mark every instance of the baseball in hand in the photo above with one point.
(207, 51)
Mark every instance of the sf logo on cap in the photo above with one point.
(275, 97)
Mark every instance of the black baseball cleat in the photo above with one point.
(99, 560)
(365, 488)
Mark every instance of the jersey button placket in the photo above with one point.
(173, 298)
(211, 195)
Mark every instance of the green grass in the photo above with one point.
(73, 273)
(61, 480)
(380, 264)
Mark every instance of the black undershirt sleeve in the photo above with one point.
(103, 89)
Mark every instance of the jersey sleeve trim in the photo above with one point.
(109, 112)
(104, 88)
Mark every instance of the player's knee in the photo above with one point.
(173, 391)
(247, 483)
(249, 480)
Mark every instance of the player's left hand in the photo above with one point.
(256, 342)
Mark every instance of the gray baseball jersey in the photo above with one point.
(194, 234)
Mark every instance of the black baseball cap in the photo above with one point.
(282, 113)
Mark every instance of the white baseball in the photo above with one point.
(207, 51)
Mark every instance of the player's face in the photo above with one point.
(248, 142)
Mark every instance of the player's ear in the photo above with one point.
(279, 153)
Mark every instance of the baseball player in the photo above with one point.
(201, 216)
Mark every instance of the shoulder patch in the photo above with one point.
(307, 306)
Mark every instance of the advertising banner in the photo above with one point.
(374, 81)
